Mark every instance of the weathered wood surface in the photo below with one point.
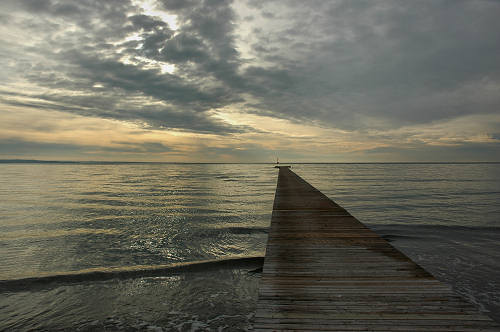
(326, 271)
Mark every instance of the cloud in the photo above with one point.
(138, 111)
(20, 148)
(141, 147)
(401, 62)
(341, 63)
(360, 67)
(93, 56)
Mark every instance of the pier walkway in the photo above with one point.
(325, 271)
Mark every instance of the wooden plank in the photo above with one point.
(326, 271)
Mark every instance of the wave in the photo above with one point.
(242, 230)
(129, 272)
(429, 227)
(394, 237)
(217, 232)
(423, 233)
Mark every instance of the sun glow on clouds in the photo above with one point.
(167, 68)
(274, 134)
(269, 124)
(102, 139)
(97, 138)
(248, 80)
(150, 64)
(281, 135)
(150, 7)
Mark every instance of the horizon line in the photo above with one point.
(40, 161)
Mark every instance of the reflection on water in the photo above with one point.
(81, 217)
(55, 233)
(431, 194)
(72, 217)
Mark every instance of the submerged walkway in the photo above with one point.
(326, 271)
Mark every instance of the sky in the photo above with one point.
(250, 80)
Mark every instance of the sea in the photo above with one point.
(177, 247)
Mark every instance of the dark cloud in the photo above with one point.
(149, 82)
(37, 6)
(110, 107)
(343, 64)
(177, 5)
(205, 45)
(18, 147)
(147, 23)
(146, 147)
(401, 62)
(185, 48)
(268, 14)
(89, 64)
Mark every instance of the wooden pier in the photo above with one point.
(325, 271)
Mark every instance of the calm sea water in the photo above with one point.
(60, 219)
